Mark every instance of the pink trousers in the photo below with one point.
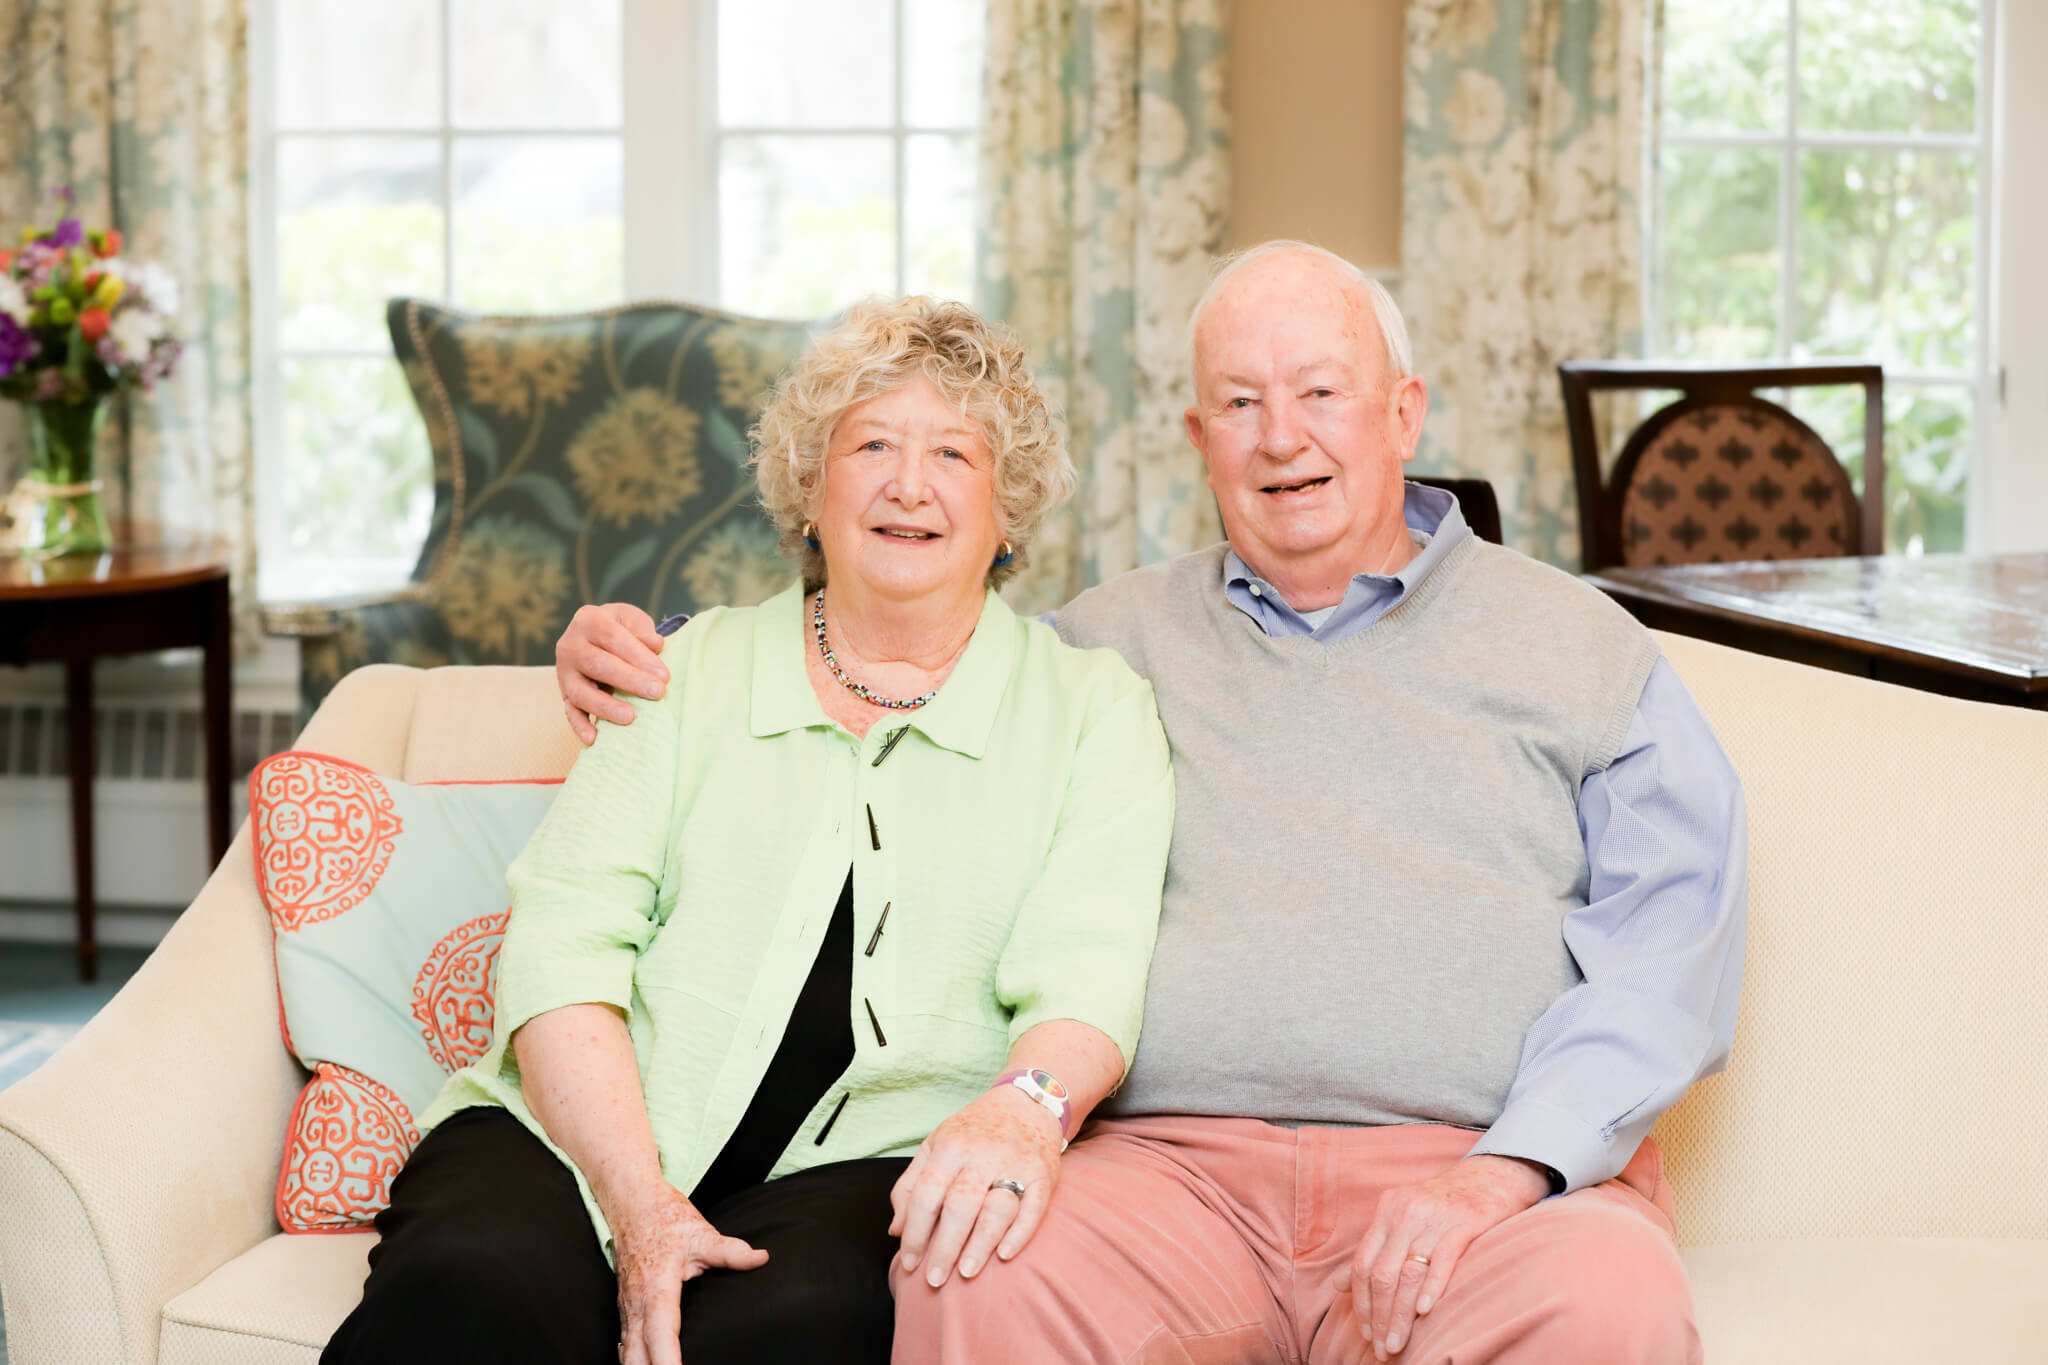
(1192, 1240)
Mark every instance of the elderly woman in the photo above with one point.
(829, 952)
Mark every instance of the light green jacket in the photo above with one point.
(688, 870)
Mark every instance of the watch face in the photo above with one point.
(1045, 1081)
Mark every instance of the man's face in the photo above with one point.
(1303, 434)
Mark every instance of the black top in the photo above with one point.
(816, 1047)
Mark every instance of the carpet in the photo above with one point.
(24, 1047)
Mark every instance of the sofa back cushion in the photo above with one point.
(1890, 1071)
(594, 457)
(387, 901)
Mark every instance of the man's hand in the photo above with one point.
(1434, 1219)
(946, 1213)
(614, 644)
(660, 1244)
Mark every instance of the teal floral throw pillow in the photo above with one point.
(388, 904)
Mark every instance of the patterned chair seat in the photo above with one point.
(586, 458)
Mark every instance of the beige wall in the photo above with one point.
(1316, 125)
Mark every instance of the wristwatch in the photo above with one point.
(1043, 1089)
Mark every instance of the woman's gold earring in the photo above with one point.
(811, 534)
(1006, 556)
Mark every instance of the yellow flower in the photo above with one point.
(637, 458)
(746, 368)
(508, 370)
(504, 586)
(737, 566)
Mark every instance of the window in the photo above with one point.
(518, 156)
(1823, 185)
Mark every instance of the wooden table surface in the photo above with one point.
(155, 557)
(1969, 625)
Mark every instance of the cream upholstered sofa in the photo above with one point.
(1868, 1181)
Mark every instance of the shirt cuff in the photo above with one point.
(604, 978)
(1567, 1144)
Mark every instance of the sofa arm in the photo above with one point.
(145, 1153)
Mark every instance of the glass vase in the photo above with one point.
(63, 514)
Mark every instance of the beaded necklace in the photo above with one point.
(832, 662)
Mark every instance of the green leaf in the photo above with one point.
(650, 334)
(722, 436)
(553, 500)
(624, 565)
(479, 442)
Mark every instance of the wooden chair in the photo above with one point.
(1723, 474)
(1475, 499)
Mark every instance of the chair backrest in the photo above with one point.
(593, 457)
(1722, 474)
(1475, 499)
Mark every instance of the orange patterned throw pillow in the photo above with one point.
(388, 905)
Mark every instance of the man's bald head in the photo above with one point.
(1311, 263)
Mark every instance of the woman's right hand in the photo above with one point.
(614, 645)
(658, 1244)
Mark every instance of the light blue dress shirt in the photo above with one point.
(1660, 938)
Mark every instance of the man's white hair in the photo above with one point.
(1393, 327)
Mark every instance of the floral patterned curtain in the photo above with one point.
(1105, 188)
(1522, 233)
(141, 108)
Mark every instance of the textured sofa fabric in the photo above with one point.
(1865, 1182)
(594, 457)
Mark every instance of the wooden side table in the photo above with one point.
(162, 589)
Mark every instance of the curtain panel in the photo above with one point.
(1522, 233)
(141, 108)
(1105, 186)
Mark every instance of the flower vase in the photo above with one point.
(62, 514)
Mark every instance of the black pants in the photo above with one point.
(487, 1254)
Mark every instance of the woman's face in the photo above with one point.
(909, 496)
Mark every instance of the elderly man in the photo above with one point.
(1454, 851)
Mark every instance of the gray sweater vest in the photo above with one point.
(1375, 841)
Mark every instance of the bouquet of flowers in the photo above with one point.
(78, 320)
(78, 323)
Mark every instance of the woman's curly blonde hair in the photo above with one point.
(876, 350)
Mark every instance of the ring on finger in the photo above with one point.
(1418, 1258)
(1007, 1184)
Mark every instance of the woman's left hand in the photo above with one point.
(947, 1212)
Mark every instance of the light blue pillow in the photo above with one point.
(388, 903)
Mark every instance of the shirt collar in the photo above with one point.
(1432, 514)
(960, 718)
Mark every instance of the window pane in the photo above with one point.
(938, 208)
(1724, 64)
(942, 51)
(358, 221)
(1887, 256)
(807, 63)
(358, 64)
(539, 223)
(1896, 66)
(807, 225)
(357, 480)
(1718, 263)
(536, 64)
(1927, 444)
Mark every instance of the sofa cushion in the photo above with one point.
(275, 1304)
(388, 904)
(1874, 1300)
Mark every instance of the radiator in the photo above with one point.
(149, 811)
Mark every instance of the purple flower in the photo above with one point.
(16, 346)
(69, 233)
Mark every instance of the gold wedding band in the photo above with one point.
(1418, 1258)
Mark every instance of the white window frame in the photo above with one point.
(671, 139)
(1981, 376)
